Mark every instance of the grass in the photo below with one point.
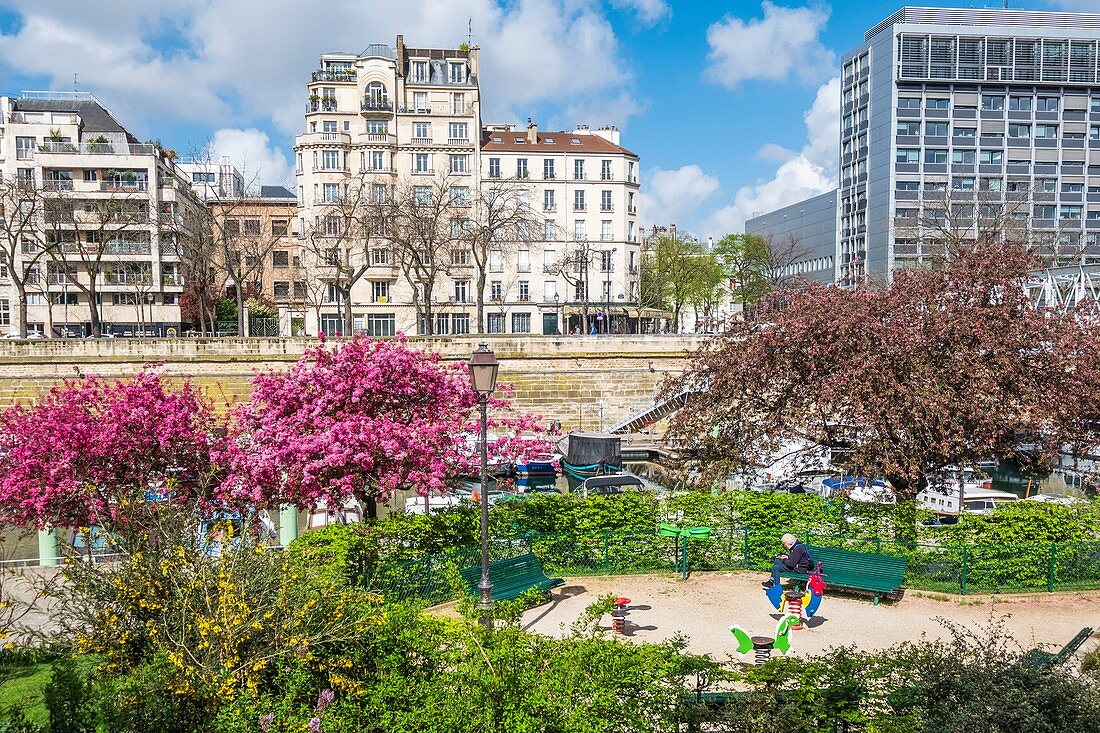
(21, 685)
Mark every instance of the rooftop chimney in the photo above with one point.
(532, 131)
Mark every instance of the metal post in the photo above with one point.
(288, 524)
(47, 547)
(485, 587)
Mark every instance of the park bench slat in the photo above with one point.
(1040, 660)
(858, 570)
(511, 577)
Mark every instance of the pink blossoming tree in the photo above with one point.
(363, 419)
(89, 450)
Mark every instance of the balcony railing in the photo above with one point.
(326, 75)
(376, 105)
(379, 137)
(321, 105)
(458, 141)
(58, 184)
(549, 207)
(127, 248)
(421, 141)
(123, 185)
(128, 278)
(24, 153)
(86, 148)
(173, 281)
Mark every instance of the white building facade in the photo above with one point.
(80, 161)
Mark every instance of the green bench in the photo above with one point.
(511, 578)
(864, 571)
(1040, 661)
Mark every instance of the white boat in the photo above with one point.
(855, 488)
(425, 504)
(1056, 499)
(350, 512)
(976, 499)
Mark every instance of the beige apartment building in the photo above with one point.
(109, 212)
(402, 121)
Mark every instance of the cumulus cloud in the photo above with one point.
(782, 43)
(251, 153)
(811, 172)
(533, 51)
(774, 152)
(648, 11)
(675, 196)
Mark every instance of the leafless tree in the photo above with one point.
(574, 267)
(425, 223)
(503, 219)
(20, 245)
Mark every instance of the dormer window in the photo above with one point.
(548, 140)
(420, 72)
(458, 73)
(575, 141)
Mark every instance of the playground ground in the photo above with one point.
(704, 606)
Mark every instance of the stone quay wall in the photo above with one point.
(585, 382)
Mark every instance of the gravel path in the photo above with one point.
(705, 605)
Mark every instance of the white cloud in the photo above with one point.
(598, 112)
(533, 51)
(774, 152)
(674, 196)
(783, 42)
(251, 153)
(811, 172)
(648, 11)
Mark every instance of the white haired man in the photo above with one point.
(797, 559)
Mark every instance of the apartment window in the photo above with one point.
(280, 258)
(524, 291)
(462, 290)
(1095, 105)
(548, 168)
(907, 185)
(521, 168)
(330, 160)
(908, 102)
(908, 155)
(962, 184)
(523, 260)
(991, 157)
(549, 290)
(1069, 212)
(380, 291)
(496, 260)
(494, 167)
(1019, 132)
(605, 170)
(460, 256)
(377, 162)
(331, 192)
(420, 163)
(1046, 132)
(1046, 185)
(1044, 212)
(5, 312)
(379, 256)
(936, 155)
(1047, 104)
(549, 230)
(579, 233)
(548, 203)
(581, 291)
(991, 102)
(630, 172)
(937, 129)
(280, 227)
(605, 201)
(458, 103)
(420, 102)
(936, 103)
(992, 184)
(378, 193)
(381, 324)
(458, 73)
(460, 163)
(605, 261)
(460, 195)
(605, 230)
(906, 127)
(281, 289)
(419, 72)
(1094, 132)
(422, 195)
(422, 130)
(521, 323)
(966, 132)
(578, 170)
(495, 322)
(1073, 188)
(460, 227)
(958, 157)
(252, 227)
(332, 226)
(1020, 104)
(578, 201)
(458, 131)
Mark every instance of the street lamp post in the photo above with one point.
(610, 265)
(557, 299)
(483, 375)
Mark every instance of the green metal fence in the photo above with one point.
(938, 567)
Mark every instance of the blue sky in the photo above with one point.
(732, 106)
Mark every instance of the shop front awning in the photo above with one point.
(617, 310)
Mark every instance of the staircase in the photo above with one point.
(657, 411)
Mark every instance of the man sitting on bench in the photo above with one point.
(797, 559)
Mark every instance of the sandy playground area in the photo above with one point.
(705, 605)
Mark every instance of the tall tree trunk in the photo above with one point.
(481, 300)
(429, 321)
(21, 309)
(93, 308)
(349, 322)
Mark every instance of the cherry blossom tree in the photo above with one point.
(948, 364)
(362, 419)
(88, 451)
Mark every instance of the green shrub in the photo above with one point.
(68, 698)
